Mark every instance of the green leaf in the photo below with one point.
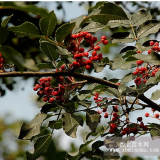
(5, 21)
(55, 124)
(92, 119)
(71, 123)
(85, 103)
(140, 17)
(152, 58)
(26, 29)
(127, 78)
(28, 130)
(3, 34)
(26, 8)
(112, 9)
(50, 50)
(48, 23)
(117, 23)
(129, 54)
(40, 146)
(63, 31)
(155, 95)
(43, 66)
(77, 20)
(98, 4)
(12, 55)
(70, 105)
(149, 27)
(93, 27)
(155, 130)
(129, 64)
(98, 66)
(113, 92)
(117, 62)
(128, 48)
(122, 37)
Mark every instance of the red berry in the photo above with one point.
(138, 51)
(99, 112)
(103, 38)
(156, 44)
(149, 51)
(104, 110)
(96, 48)
(153, 110)
(115, 108)
(123, 132)
(51, 100)
(86, 54)
(111, 131)
(0, 55)
(88, 61)
(106, 115)
(141, 125)
(94, 53)
(147, 114)
(81, 50)
(88, 67)
(139, 62)
(45, 99)
(105, 42)
(145, 128)
(115, 114)
(35, 88)
(156, 115)
(74, 36)
(139, 119)
(151, 43)
(135, 73)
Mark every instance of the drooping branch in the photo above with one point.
(89, 78)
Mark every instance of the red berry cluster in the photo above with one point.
(1, 63)
(49, 94)
(144, 73)
(97, 99)
(155, 47)
(81, 57)
(154, 115)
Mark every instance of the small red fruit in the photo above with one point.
(147, 114)
(157, 115)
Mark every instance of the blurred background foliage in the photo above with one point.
(10, 147)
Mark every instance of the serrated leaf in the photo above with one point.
(152, 58)
(129, 65)
(48, 23)
(93, 27)
(40, 146)
(122, 37)
(26, 29)
(127, 78)
(85, 103)
(117, 62)
(55, 124)
(128, 48)
(155, 95)
(98, 66)
(28, 130)
(92, 119)
(98, 4)
(71, 123)
(12, 55)
(140, 17)
(50, 50)
(129, 54)
(3, 34)
(155, 130)
(117, 23)
(43, 66)
(113, 91)
(122, 87)
(63, 31)
(149, 27)
(113, 9)
(5, 21)
(78, 20)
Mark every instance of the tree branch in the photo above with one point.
(89, 78)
